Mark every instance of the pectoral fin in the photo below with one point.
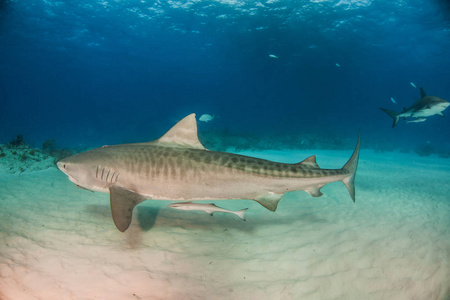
(269, 200)
(123, 202)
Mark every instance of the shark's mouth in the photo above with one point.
(73, 180)
(78, 185)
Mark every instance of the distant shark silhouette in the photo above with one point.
(178, 167)
(426, 106)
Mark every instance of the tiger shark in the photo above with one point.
(178, 167)
(426, 106)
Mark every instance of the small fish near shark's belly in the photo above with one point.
(418, 120)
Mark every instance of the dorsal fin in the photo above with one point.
(310, 161)
(422, 93)
(183, 134)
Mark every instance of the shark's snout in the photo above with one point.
(61, 165)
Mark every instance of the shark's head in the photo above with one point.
(85, 172)
(445, 104)
(432, 106)
(438, 106)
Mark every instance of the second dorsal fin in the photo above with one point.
(310, 161)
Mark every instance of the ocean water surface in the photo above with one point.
(277, 79)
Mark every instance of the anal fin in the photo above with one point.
(123, 202)
(269, 200)
(314, 191)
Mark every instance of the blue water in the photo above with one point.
(88, 73)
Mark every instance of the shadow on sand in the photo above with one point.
(146, 217)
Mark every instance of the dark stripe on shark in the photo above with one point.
(261, 166)
(184, 163)
(176, 162)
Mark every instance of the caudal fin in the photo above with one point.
(241, 214)
(350, 169)
(392, 114)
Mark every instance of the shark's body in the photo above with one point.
(426, 106)
(208, 208)
(178, 167)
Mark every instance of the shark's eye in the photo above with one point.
(64, 166)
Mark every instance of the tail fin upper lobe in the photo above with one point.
(350, 168)
(392, 114)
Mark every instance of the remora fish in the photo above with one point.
(208, 208)
(424, 107)
(178, 167)
(418, 120)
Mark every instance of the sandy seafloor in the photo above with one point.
(59, 242)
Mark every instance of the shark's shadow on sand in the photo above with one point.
(147, 216)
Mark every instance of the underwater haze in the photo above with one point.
(289, 81)
(89, 73)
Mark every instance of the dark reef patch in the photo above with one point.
(17, 156)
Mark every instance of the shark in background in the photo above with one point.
(426, 106)
(178, 167)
